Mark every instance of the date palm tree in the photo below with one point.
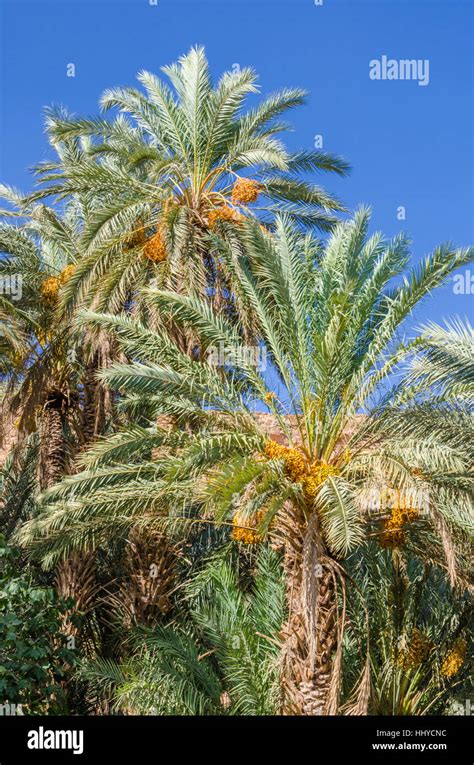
(47, 375)
(219, 657)
(40, 380)
(179, 160)
(353, 451)
(419, 632)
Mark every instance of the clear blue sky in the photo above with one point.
(409, 145)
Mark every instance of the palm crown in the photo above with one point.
(47, 362)
(175, 164)
(41, 249)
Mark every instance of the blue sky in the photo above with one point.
(409, 145)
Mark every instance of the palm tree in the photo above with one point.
(52, 386)
(178, 163)
(48, 384)
(40, 378)
(418, 632)
(220, 657)
(353, 451)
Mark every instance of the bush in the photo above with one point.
(34, 654)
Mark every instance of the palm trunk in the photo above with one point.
(53, 447)
(76, 576)
(311, 636)
(76, 579)
(144, 595)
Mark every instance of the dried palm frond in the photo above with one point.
(150, 577)
(76, 580)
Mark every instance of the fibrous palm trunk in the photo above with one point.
(53, 448)
(75, 577)
(311, 636)
(144, 594)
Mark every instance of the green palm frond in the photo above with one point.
(220, 658)
(327, 321)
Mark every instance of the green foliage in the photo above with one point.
(361, 405)
(19, 486)
(415, 621)
(220, 656)
(34, 655)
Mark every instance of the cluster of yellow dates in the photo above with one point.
(51, 286)
(402, 513)
(454, 659)
(310, 475)
(419, 648)
(298, 470)
(245, 191)
(223, 213)
(155, 247)
(245, 529)
(416, 652)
